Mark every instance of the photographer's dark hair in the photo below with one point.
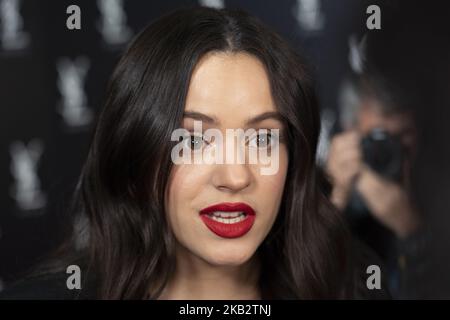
(130, 248)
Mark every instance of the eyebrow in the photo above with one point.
(211, 119)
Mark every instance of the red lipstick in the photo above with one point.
(228, 220)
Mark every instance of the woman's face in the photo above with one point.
(227, 91)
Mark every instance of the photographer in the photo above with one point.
(369, 163)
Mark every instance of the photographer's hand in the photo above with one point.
(388, 202)
(343, 165)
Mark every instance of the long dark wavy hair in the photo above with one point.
(129, 245)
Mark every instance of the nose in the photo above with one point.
(234, 174)
(232, 177)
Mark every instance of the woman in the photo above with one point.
(160, 230)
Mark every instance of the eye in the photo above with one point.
(195, 141)
(263, 139)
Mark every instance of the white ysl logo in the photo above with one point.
(113, 24)
(207, 147)
(309, 15)
(81, 231)
(27, 188)
(218, 4)
(71, 78)
(357, 51)
(12, 36)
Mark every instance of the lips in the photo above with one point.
(228, 220)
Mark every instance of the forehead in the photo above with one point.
(370, 117)
(230, 86)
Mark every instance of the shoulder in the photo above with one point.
(46, 287)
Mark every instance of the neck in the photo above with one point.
(196, 279)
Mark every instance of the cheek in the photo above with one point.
(278, 179)
(185, 184)
(274, 182)
(271, 187)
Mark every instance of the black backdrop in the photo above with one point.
(52, 81)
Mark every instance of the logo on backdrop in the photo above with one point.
(356, 55)
(113, 22)
(218, 4)
(12, 35)
(71, 79)
(81, 231)
(327, 119)
(26, 188)
(309, 15)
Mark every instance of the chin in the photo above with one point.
(231, 256)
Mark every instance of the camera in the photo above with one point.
(383, 153)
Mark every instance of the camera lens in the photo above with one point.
(382, 152)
